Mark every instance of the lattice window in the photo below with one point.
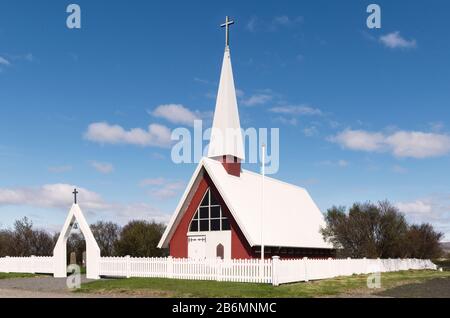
(208, 216)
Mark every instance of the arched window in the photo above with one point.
(219, 251)
(208, 216)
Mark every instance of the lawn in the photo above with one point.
(16, 275)
(161, 287)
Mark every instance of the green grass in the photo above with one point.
(16, 275)
(161, 287)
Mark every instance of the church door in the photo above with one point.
(197, 247)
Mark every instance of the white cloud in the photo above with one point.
(287, 121)
(137, 211)
(399, 169)
(50, 196)
(59, 196)
(395, 40)
(359, 140)
(104, 133)
(415, 207)
(168, 190)
(418, 144)
(257, 99)
(176, 113)
(162, 188)
(102, 167)
(251, 24)
(296, 110)
(239, 93)
(4, 61)
(342, 163)
(286, 21)
(201, 80)
(310, 131)
(414, 144)
(152, 181)
(60, 169)
(339, 163)
(434, 209)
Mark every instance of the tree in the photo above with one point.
(22, 238)
(5, 243)
(106, 235)
(368, 230)
(140, 239)
(43, 243)
(26, 241)
(423, 242)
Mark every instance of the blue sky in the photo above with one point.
(363, 114)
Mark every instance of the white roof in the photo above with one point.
(226, 135)
(291, 218)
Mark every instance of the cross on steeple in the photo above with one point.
(75, 192)
(226, 25)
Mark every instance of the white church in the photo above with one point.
(221, 213)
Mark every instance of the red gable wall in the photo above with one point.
(179, 244)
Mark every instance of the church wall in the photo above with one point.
(214, 238)
(235, 244)
(178, 245)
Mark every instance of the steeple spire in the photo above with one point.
(226, 136)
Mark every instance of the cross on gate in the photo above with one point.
(75, 192)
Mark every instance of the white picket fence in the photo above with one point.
(275, 271)
(298, 270)
(236, 270)
(32, 264)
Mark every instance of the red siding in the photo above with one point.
(179, 245)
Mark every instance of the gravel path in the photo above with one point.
(433, 288)
(39, 287)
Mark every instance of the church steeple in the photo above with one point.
(226, 142)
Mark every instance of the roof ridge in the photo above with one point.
(275, 180)
(259, 175)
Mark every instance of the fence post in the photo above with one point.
(128, 265)
(305, 263)
(348, 266)
(275, 270)
(169, 267)
(330, 267)
(33, 264)
(218, 269)
(8, 264)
